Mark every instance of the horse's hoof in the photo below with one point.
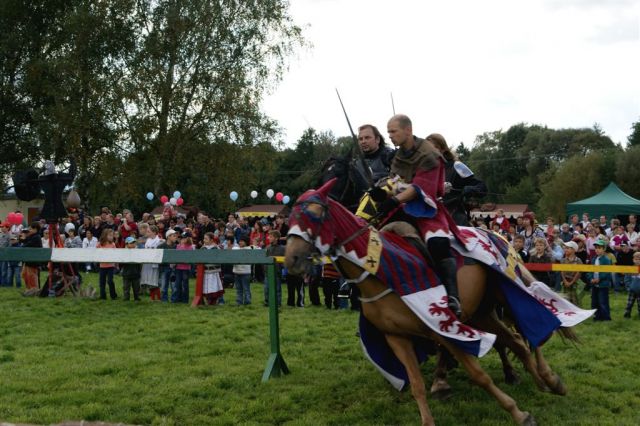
(559, 388)
(529, 420)
(512, 379)
(441, 394)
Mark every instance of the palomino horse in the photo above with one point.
(320, 221)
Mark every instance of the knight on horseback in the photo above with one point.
(377, 155)
(421, 168)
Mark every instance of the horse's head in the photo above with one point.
(307, 228)
(351, 181)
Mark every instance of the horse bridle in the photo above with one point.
(320, 220)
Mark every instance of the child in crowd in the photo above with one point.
(540, 255)
(570, 279)
(634, 289)
(212, 288)
(14, 267)
(167, 270)
(131, 273)
(518, 245)
(274, 249)
(107, 269)
(242, 275)
(183, 270)
(72, 240)
(89, 241)
(31, 271)
(150, 274)
(624, 258)
(601, 282)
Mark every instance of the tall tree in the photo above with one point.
(199, 73)
(634, 138)
(574, 179)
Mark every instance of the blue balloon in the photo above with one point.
(177, 194)
(233, 195)
(286, 199)
(149, 196)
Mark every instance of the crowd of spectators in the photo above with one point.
(586, 241)
(171, 230)
(596, 241)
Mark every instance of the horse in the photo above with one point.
(351, 180)
(319, 220)
(349, 188)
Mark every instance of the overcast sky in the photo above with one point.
(461, 67)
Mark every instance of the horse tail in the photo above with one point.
(568, 334)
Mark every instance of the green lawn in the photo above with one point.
(154, 363)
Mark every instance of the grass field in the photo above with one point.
(152, 363)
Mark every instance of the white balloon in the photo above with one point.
(270, 193)
(254, 194)
(173, 201)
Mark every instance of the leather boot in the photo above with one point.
(448, 274)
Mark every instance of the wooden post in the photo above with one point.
(275, 364)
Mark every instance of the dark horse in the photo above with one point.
(351, 181)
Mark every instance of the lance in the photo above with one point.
(365, 166)
(393, 106)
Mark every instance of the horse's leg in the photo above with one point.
(482, 379)
(403, 349)
(440, 388)
(506, 337)
(551, 379)
(510, 375)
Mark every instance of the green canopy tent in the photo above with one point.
(611, 201)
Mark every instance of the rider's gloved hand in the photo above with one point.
(378, 194)
(388, 206)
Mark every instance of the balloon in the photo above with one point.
(286, 199)
(167, 204)
(149, 196)
(164, 199)
(269, 193)
(173, 201)
(19, 218)
(180, 201)
(11, 218)
(233, 195)
(254, 194)
(279, 196)
(177, 195)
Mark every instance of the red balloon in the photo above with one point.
(19, 218)
(180, 201)
(164, 199)
(279, 196)
(11, 218)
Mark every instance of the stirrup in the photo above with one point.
(344, 292)
(454, 305)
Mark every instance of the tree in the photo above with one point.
(627, 172)
(575, 179)
(462, 152)
(198, 74)
(634, 138)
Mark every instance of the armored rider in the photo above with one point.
(460, 182)
(421, 166)
(376, 153)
